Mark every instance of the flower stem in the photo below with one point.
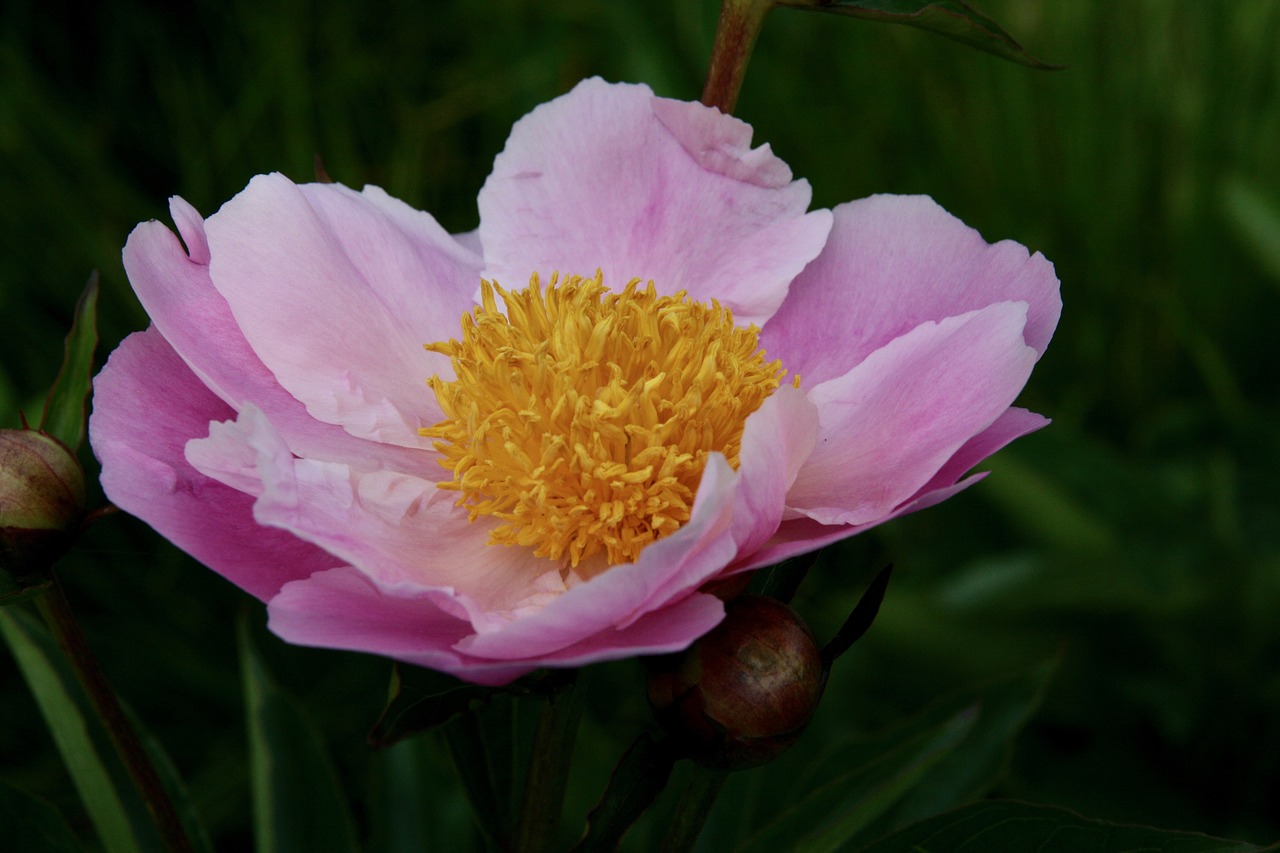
(549, 769)
(740, 22)
(66, 631)
(468, 748)
(695, 806)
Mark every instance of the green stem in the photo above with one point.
(66, 631)
(740, 22)
(695, 806)
(549, 769)
(469, 750)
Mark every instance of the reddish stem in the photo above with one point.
(740, 22)
(66, 631)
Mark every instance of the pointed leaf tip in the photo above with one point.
(64, 408)
(951, 18)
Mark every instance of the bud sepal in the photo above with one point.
(42, 502)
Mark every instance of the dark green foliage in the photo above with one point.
(1138, 536)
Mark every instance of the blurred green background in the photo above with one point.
(1137, 539)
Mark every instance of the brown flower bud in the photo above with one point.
(742, 694)
(42, 500)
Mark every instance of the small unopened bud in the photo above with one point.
(742, 694)
(42, 500)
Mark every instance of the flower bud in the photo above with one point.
(742, 694)
(42, 500)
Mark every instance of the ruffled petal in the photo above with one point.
(147, 404)
(337, 292)
(892, 263)
(610, 177)
(345, 609)
(196, 321)
(400, 530)
(891, 423)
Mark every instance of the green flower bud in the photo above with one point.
(42, 501)
(742, 694)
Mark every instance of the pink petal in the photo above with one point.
(889, 424)
(1011, 425)
(799, 536)
(227, 454)
(667, 571)
(609, 177)
(336, 293)
(400, 530)
(890, 264)
(196, 321)
(191, 227)
(669, 629)
(794, 537)
(179, 297)
(778, 438)
(469, 240)
(802, 535)
(344, 609)
(147, 404)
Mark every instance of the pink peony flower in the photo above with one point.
(553, 478)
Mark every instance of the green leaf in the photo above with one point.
(1007, 825)
(821, 784)
(970, 771)
(298, 804)
(63, 416)
(174, 786)
(550, 760)
(847, 803)
(13, 592)
(56, 692)
(419, 700)
(33, 825)
(951, 18)
(475, 762)
(1257, 222)
(854, 627)
(1046, 508)
(697, 800)
(639, 777)
(405, 777)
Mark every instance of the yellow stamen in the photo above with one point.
(583, 418)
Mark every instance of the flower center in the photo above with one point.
(583, 418)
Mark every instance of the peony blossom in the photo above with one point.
(650, 368)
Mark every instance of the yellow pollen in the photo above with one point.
(583, 418)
